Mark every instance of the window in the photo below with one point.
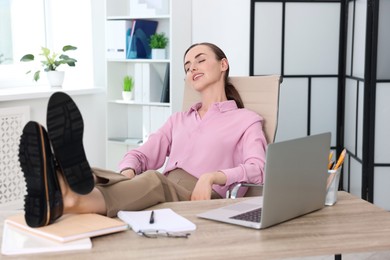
(5, 32)
(25, 26)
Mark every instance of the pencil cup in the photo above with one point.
(332, 186)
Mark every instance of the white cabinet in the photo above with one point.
(130, 122)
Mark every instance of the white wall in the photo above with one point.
(98, 39)
(225, 23)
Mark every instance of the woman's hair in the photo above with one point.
(230, 91)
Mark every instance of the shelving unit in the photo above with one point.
(131, 122)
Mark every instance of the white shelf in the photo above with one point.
(134, 103)
(138, 60)
(156, 17)
(126, 141)
(128, 121)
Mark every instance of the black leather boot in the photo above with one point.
(43, 202)
(65, 128)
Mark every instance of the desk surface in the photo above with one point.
(352, 225)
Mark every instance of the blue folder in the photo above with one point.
(138, 39)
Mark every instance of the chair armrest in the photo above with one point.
(232, 194)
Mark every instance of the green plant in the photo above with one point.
(158, 41)
(128, 83)
(51, 60)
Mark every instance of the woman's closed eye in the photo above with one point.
(187, 69)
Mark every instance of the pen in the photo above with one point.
(340, 160)
(151, 220)
(330, 165)
(330, 156)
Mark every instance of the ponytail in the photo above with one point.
(232, 94)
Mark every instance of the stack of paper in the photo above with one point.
(70, 232)
(19, 242)
(164, 220)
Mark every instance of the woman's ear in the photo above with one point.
(224, 64)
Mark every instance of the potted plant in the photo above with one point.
(128, 86)
(158, 43)
(51, 61)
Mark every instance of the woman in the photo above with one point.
(210, 147)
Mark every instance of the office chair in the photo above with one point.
(259, 94)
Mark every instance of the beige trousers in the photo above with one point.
(144, 190)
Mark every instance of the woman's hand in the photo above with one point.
(203, 187)
(130, 173)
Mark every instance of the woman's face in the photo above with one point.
(202, 67)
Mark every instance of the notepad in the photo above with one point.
(72, 226)
(20, 242)
(164, 220)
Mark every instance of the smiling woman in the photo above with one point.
(26, 26)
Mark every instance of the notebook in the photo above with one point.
(71, 226)
(294, 185)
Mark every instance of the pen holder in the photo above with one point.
(332, 186)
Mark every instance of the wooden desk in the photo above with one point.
(350, 226)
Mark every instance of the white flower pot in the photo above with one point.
(158, 54)
(128, 95)
(55, 78)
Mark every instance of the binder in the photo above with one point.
(165, 88)
(138, 82)
(152, 84)
(138, 40)
(117, 32)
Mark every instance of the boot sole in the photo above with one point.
(65, 128)
(32, 158)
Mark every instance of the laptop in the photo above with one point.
(294, 185)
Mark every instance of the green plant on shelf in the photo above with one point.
(158, 41)
(128, 83)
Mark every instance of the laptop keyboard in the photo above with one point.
(252, 216)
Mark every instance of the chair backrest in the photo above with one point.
(258, 93)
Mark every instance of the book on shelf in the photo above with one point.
(146, 123)
(138, 39)
(138, 79)
(165, 87)
(117, 31)
(151, 84)
(153, 118)
(17, 241)
(71, 227)
(148, 85)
